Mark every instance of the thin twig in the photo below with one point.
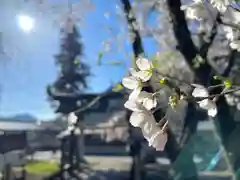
(211, 96)
(173, 78)
(165, 126)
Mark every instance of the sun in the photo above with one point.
(26, 23)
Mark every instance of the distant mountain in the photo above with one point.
(23, 117)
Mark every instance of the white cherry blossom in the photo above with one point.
(199, 91)
(140, 114)
(235, 45)
(144, 64)
(158, 140)
(235, 17)
(229, 32)
(145, 120)
(208, 105)
(145, 69)
(148, 100)
(221, 5)
(134, 106)
(138, 119)
(193, 10)
(133, 83)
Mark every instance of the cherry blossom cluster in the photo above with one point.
(143, 103)
(193, 11)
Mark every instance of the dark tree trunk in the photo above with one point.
(172, 147)
(226, 126)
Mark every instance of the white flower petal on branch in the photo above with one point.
(144, 64)
(135, 93)
(134, 83)
(208, 105)
(134, 106)
(159, 140)
(151, 132)
(133, 72)
(204, 104)
(212, 112)
(148, 100)
(150, 103)
(193, 10)
(146, 69)
(144, 75)
(131, 82)
(138, 119)
(140, 115)
(235, 45)
(221, 5)
(150, 128)
(236, 17)
(229, 33)
(144, 119)
(199, 91)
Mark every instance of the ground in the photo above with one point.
(40, 167)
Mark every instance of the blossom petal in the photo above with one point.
(159, 140)
(221, 5)
(130, 82)
(149, 128)
(229, 32)
(137, 119)
(235, 45)
(212, 112)
(193, 10)
(144, 64)
(150, 103)
(206, 104)
(203, 104)
(200, 91)
(210, 106)
(144, 95)
(143, 75)
(133, 72)
(135, 93)
(236, 17)
(134, 106)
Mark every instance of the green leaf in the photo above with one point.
(219, 78)
(173, 101)
(100, 55)
(162, 81)
(75, 62)
(227, 83)
(197, 61)
(117, 87)
(216, 77)
(155, 63)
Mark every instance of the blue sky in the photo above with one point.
(24, 76)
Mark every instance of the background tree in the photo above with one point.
(72, 78)
(71, 83)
